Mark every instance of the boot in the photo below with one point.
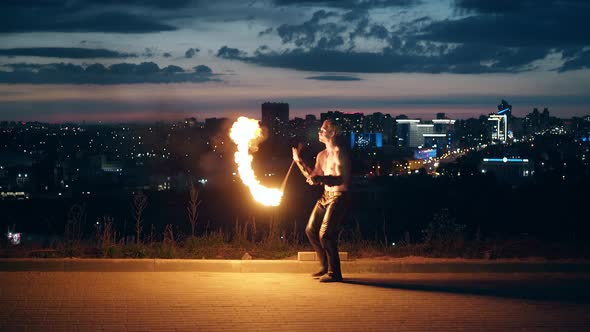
(320, 272)
(331, 277)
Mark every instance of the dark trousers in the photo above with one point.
(323, 226)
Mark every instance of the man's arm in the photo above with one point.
(300, 164)
(306, 170)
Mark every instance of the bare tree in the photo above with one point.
(192, 208)
(139, 204)
(106, 233)
(73, 229)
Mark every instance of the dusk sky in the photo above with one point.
(147, 60)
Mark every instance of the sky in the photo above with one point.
(151, 60)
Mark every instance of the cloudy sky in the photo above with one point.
(145, 60)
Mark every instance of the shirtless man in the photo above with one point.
(332, 170)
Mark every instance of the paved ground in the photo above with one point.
(208, 301)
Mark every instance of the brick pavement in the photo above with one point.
(200, 301)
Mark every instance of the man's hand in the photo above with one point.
(311, 181)
(328, 180)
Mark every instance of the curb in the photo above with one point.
(280, 266)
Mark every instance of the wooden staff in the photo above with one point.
(287, 176)
(299, 147)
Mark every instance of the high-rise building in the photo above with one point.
(348, 122)
(499, 127)
(413, 134)
(275, 117)
(404, 128)
(217, 125)
(499, 122)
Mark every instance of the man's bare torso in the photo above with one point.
(334, 163)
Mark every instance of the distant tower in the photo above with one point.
(275, 116)
(505, 109)
(500, 130)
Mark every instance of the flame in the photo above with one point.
(244, 132)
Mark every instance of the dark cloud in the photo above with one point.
(497, 37)
(81, 16)
(330, 43)
(24, 66)
(191, 52)
(64, 52)
(161, 4)
(548, 29)
(348, 3)
(173, 69)
(367, 31)
(106, 22)
(266, 32)
(230, 53)
(464, 60)
(407, 50)
(312, 31)
(148, 53)
(91, 3)
(203, 70)
(121, 73)
(496, 6)
(333, 78)
(515, 6)
(126, 16)
(378, 32)
(521, 30)
(355, 15)
(579, 60)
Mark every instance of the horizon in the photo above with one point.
(424, 117)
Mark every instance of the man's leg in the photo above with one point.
(313, 234)
(329, 236)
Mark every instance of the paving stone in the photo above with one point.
(209, 301)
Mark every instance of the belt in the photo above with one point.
(334, 193)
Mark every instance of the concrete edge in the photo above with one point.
(279, 266)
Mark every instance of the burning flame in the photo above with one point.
(244, 133)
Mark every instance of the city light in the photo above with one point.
(14, 238)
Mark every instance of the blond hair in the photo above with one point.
(332, 126)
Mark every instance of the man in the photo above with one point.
(332, 170)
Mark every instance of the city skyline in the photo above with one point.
(129, 61)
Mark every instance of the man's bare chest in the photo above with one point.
(329, 164)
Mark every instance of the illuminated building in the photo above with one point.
(275, 117)
(413, 134)
(507, 169)
(366, 140)
(378, 123)
(499, 127)
(425, 154)
(499, 121)
(110, 166)
(404, 128)
(348, 122)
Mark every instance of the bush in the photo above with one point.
(134, 251)
(444, 235)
